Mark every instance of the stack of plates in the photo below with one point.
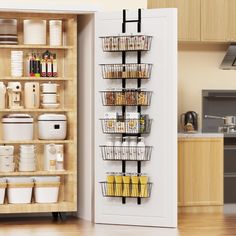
(16, 63)
(8, 31)
(27, 160)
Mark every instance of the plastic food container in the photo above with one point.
(35, 32)
(17, 127)
(19, 190)
(6, 150)
(49, 87)
(46, 189)
(3, 186)
(49, 98)
(6, 159)
(52, 126)
(7, 167)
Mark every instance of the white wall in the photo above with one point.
(84, 4)
(199, 69)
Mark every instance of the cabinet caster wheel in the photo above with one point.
(59, 216)
(55, 216)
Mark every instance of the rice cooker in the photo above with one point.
(52, 126)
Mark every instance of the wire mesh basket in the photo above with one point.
(127, 126)
(126, 43)
(126, 153)
(126, 71)
(126, 97)
(129, 190)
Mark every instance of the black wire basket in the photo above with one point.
(128, 190)
(126, 43)
(127, 126)
(126, 153)
(126, 97)
(126, 71)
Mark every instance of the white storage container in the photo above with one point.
(46, 189)
(3, 185)
(35, 32)
(17, 127)
(6, 159)
(7, 167)
(55, 32)
(52, 126)
(19, 189)
(7, 150)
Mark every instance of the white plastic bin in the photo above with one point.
(19, 190)
(3, 185)
(46, 189)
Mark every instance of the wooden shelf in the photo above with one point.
(34, 173)
(36, 141)
(37, 110)
(37, 207)
(36, 78)
(21, 46)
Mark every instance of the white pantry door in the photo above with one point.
(161, 208)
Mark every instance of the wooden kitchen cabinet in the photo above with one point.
(200, 172)
(231, 20)
(214, 20)
(188, 17)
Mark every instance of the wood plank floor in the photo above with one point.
(189, 224)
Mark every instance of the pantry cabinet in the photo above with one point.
(67, 98)
(188, 17)
(200, 176)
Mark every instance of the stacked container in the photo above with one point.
(19, 189)
(27, 160)
(6, 159)
(49, 95)
(46, 189)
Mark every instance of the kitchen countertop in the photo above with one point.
(200, 135)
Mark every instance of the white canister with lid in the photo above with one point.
(109, 150)
(125, 149)
(132, 148)
(141, 149)
(117, 149)
(17, 127)
(34, 31)
(55, 32)
(2, 95)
